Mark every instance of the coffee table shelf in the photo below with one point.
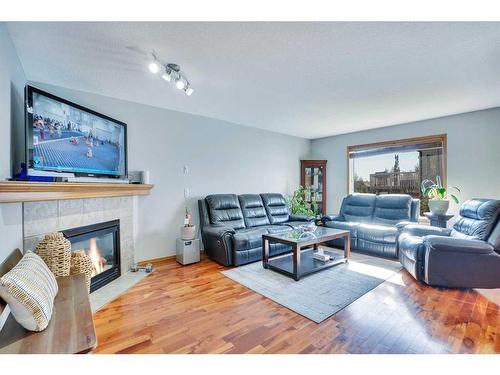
(308, 265)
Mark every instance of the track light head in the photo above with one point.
(167, 76)
(179, 83)
(189, 91)
(153, 67)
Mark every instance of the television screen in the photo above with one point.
(65, 137)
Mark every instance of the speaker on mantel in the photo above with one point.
(138, 177)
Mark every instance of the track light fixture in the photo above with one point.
(153, 66)
(166, 76)
(171, 72)
(179, 83)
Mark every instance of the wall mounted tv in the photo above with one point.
(62, 136)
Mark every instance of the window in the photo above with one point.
(397, 167)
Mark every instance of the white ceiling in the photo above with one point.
(305, 79)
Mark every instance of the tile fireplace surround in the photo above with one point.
(45, 217)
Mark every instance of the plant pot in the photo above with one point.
(439, 206)
(188, 233)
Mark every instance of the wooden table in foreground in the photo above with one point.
(70, 331)
(301, 262)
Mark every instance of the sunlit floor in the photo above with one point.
(195, 309)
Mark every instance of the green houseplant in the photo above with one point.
(438, 195)
(298, 204)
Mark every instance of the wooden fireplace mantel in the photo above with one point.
(28, 191)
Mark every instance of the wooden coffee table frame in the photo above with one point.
(301, 247)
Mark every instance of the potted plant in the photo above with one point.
(188, 231)
(438, 196)
(298, 204)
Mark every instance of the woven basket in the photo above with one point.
(55, 250)
(81, 263)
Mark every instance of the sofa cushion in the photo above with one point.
(387, 250)
(358, 207)
(295, 224)
(248, 238)
(392, 208)
(30, 288)
(477, 219)
(276, 207)
(377, 233)
(254, 212)
(277, 228)
(351, 226)
(225, 209)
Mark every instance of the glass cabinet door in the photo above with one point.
(313, 180)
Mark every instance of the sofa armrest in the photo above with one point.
(460, 263)
(217, 230)
(297, 217)
(424, 230)
(217, 241)
(457, 245)
(327, 218)
(402, 224)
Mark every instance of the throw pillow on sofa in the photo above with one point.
(29, 289)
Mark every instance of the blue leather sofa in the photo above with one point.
(372, 220)
(466, 256)
(232, 225)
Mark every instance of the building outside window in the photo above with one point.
(397, 167)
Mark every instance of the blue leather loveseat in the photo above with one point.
(372, 220)
(466, 256)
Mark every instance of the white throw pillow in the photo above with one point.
(29, 289)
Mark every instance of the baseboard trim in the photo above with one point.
(155, 260)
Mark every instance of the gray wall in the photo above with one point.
(473, 153)
(221, 157)
(12, 81)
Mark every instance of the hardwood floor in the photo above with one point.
(195, 309)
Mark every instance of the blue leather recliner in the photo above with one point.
(372, 220)
(466, 256)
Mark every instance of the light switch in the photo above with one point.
(186, 170)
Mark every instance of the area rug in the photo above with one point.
(101, 297)
(322, 294)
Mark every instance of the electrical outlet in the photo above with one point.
(186, 193)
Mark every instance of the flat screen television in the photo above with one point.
(62, 136)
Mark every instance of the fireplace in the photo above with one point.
(101, 242)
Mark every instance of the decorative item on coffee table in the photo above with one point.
(55, 250)
(81, 263)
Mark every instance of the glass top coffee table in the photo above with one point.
(305, 245)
